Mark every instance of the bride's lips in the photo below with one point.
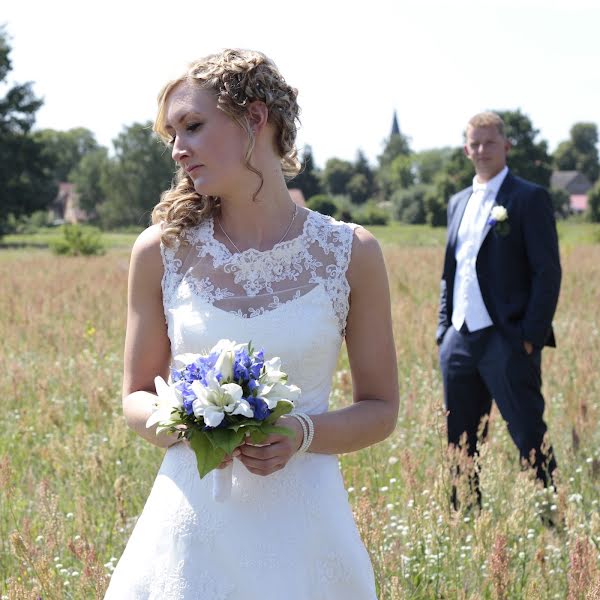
(192, 168)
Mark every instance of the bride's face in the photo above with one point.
(207, 143)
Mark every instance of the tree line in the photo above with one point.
(414, 187)
(120, 188)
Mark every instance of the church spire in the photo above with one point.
(395, 126)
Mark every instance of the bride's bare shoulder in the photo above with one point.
(146, 254)
(366, 260)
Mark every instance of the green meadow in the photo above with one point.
(73, 478)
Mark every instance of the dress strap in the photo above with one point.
(335, 239)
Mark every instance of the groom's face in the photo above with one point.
(486, 148)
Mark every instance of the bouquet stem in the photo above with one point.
(222, 482)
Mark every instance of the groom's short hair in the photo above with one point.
(487, 119)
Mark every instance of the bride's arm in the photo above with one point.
(147, 348)
(370, 342)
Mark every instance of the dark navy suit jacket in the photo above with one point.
(519, 273)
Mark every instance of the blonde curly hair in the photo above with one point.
(237, 78)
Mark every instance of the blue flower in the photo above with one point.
(257, 364)
(261, 410)
(187, 395)
(240, 372)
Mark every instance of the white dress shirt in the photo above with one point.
(468, 304)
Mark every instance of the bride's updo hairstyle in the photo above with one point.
(237, 78)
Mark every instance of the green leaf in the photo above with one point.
(257, 436)
(226, 439)
(207, 456)
(282, 408)
(277, 429)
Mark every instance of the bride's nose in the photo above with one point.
(179, 152)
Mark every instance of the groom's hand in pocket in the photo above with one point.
(275, 452)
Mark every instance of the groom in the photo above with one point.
(499, 291)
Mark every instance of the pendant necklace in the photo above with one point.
(279, 242)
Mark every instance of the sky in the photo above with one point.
(436, 63)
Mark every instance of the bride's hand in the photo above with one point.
(229, 459)
(274, 453)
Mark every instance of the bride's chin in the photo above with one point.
(202, 189)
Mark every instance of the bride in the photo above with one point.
(231, 256)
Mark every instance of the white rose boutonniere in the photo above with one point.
(498, 220)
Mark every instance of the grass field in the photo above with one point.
(73, 478)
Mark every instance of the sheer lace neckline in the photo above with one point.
(253, 282)
(209, 236)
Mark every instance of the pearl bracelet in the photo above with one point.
(308, 429)
(304, 429)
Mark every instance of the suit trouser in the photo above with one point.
(481, 365)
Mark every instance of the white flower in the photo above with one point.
(168, 400)
(182, 360)
(214, 400)
(226, 350)
(273, 372)
(272, 393)
(499, 214)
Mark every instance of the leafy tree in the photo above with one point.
(560, 202)
(396, 145)
(62, 150)
(428, 163)
(396, 175)
(456, 175)
(25, 185)
(336, 175)
(89, 176)
(580, 153)
(458, 171)
(435, 203)
(308, 178)
(362, 167)
(358, 188)
(593, 211)
(132, 182)
(527, 158)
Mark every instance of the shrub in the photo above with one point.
(409, 204)
(78, 240)
(371, 214)
(322, 203)
(38, 219)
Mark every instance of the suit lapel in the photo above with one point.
(502, 199)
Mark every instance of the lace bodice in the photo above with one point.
(292, 300)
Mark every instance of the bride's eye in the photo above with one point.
(193, 126)
(171, 141)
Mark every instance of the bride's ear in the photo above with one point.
(257, 115)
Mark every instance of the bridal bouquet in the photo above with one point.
(215, 400)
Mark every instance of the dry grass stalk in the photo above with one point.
(499, 563)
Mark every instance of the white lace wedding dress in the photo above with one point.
(287, 536)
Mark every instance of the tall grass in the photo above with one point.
(73, 479)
